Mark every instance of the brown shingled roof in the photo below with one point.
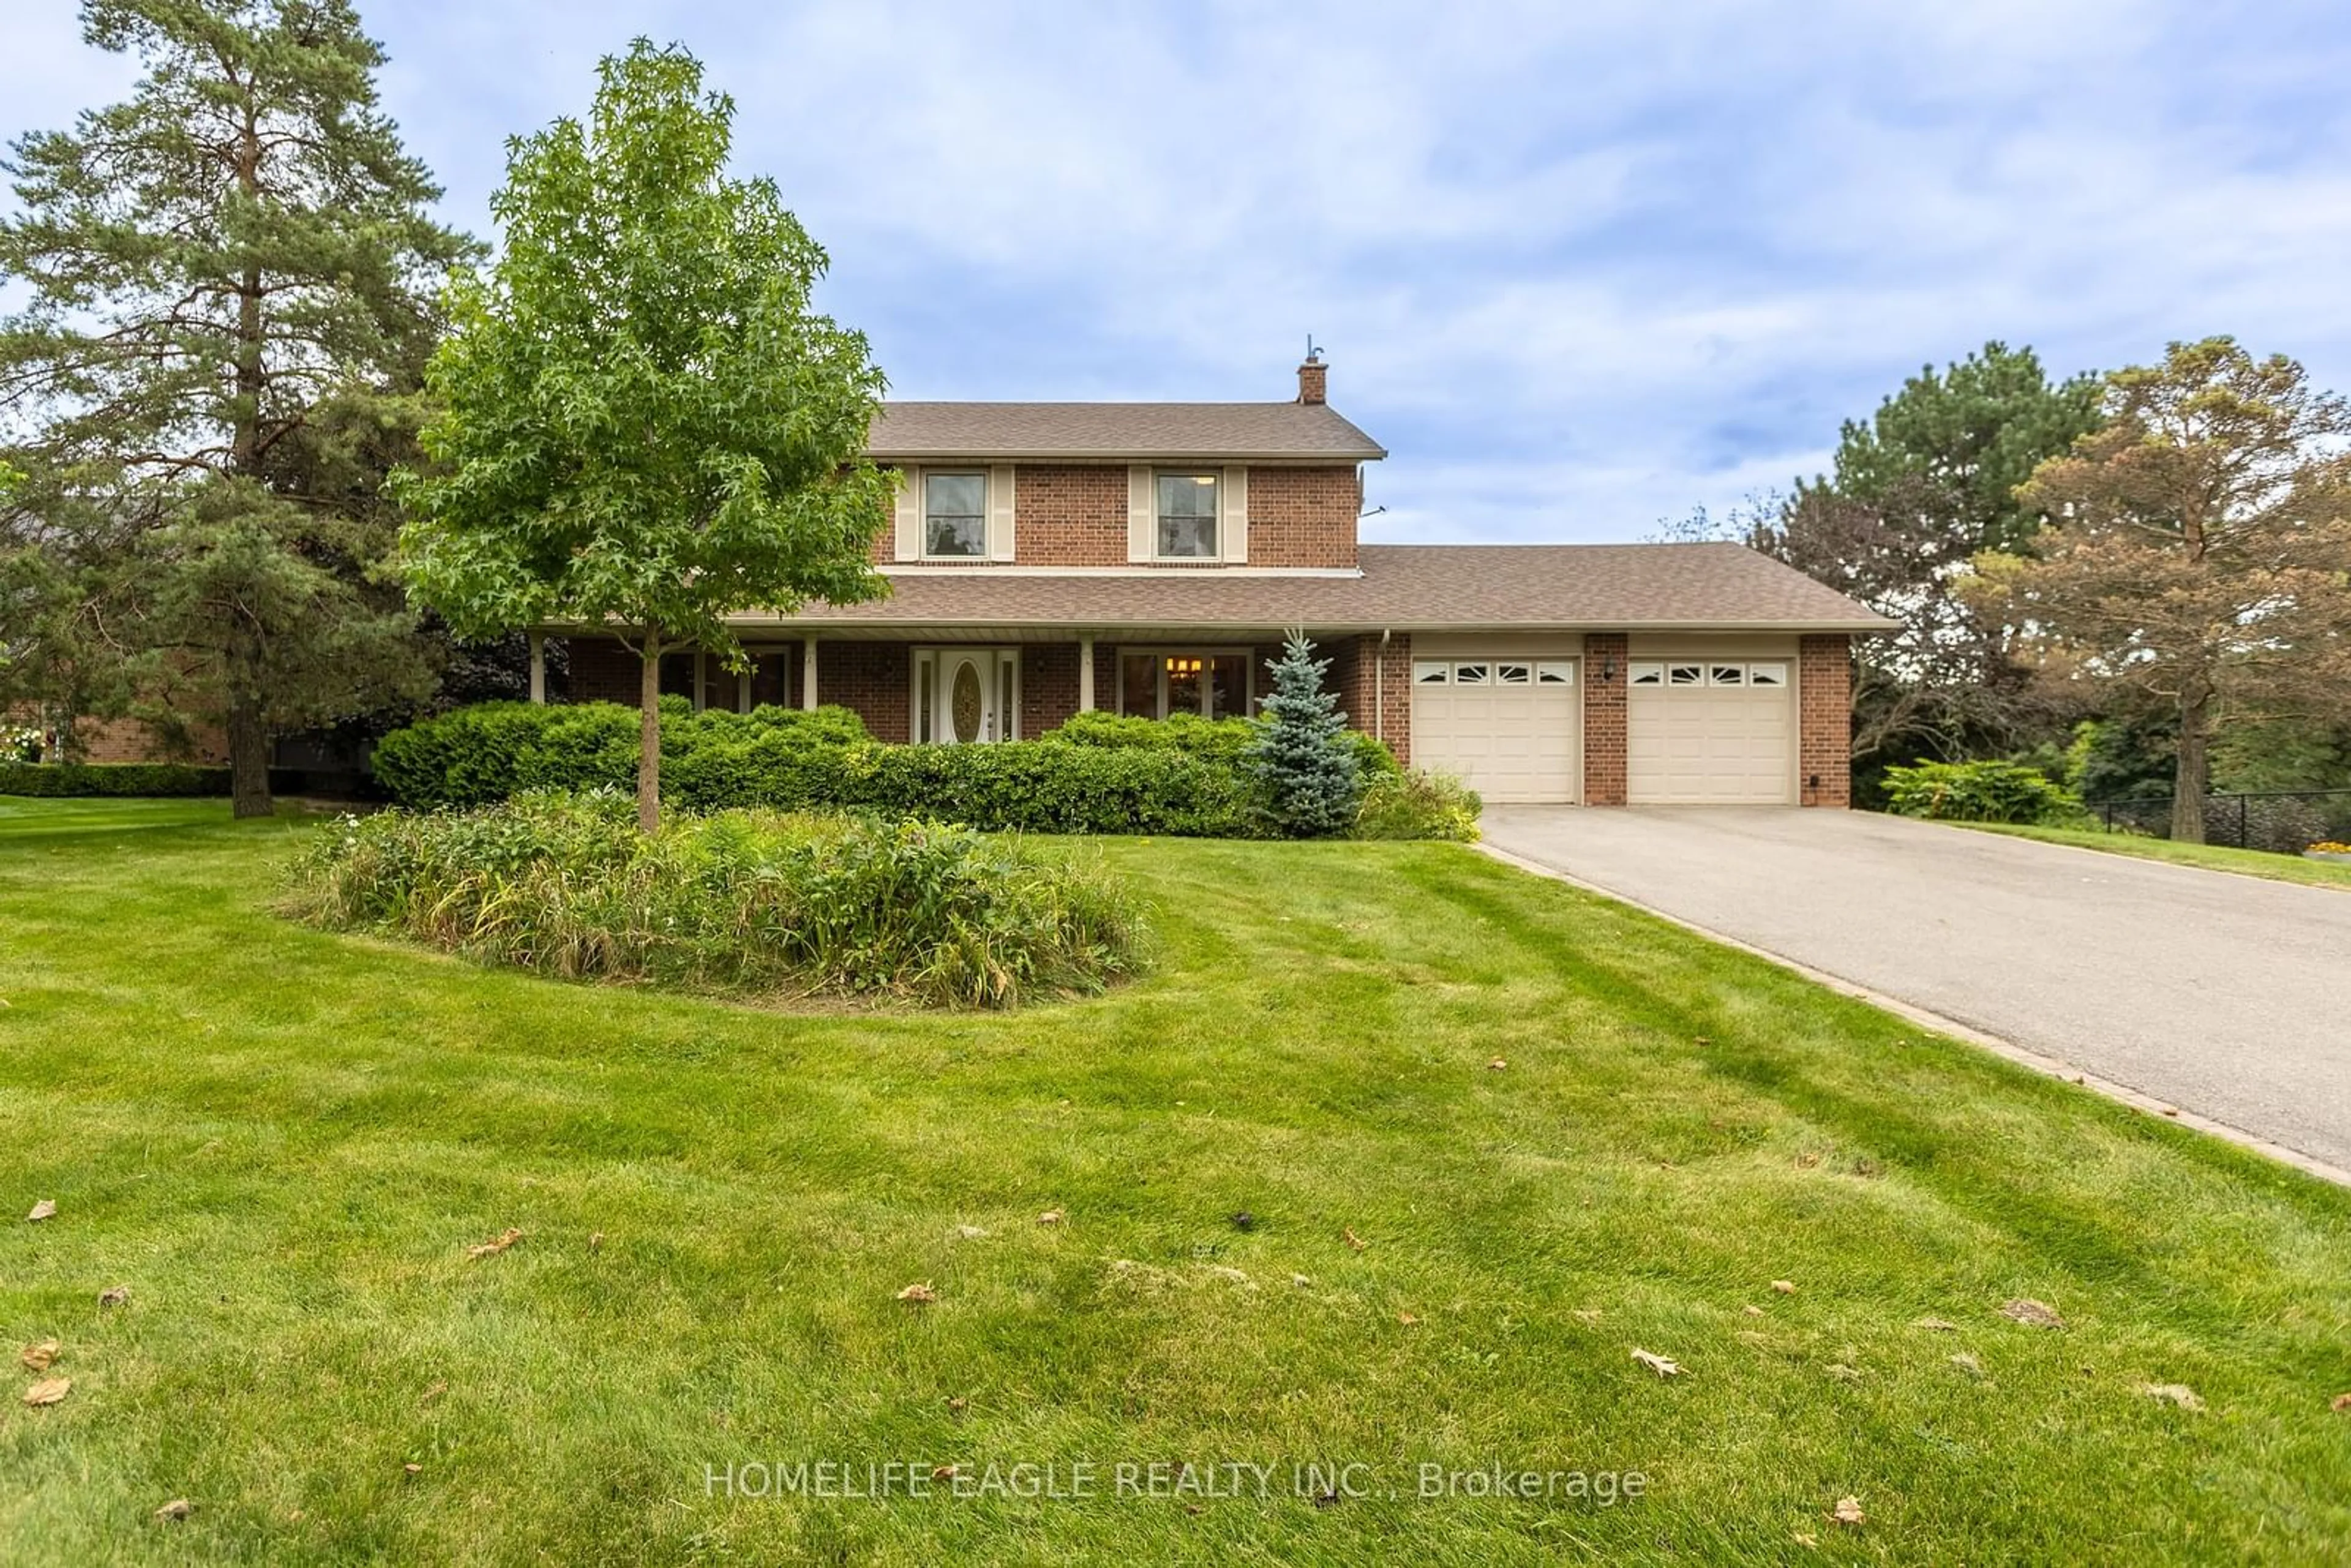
(1118, 431)
(1704, 587)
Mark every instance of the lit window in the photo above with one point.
(1214, 683)
(955, 514)
(1430, 671)
(1767, 674)
(1555, 672)
(1685, 674)
(1726, 675)
(1187, 516)
(1512, 674)
(1469, 674)
(1648, 674)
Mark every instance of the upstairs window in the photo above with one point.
(954, 515)
(1187, 516)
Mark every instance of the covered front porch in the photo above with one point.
(972, 684)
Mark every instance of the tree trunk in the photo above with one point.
(2192, 776)
(649, 738)
(248, 759)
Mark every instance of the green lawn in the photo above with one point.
(2211, 857)
(283, 1143)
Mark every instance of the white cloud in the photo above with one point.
(1578, 267)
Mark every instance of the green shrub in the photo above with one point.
(1021, 786)
(477, 754)
(61, 780)
(1418, 805)
(761, 903)
(1986, 791)
(1225, 737)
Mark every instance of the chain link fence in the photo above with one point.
(2283, 821)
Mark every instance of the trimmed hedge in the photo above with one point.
(1031, 787)
(490, 751)
(60, 780)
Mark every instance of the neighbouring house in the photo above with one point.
(1047, 558)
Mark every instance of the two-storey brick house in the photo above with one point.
(1049, 559)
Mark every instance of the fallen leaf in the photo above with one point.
(2342, 1402)
(492, 1248)
(1050, 1217)
(1302, 1280)
(1497, 1065)
(944, 1472)
(918, 1294)
(1805, 1540)
(48, 1391)
(1808, 1160)
(1785, 1286)
(955, 1404)
(1844, 1374)
(595, 1241)
(1848, 1511)
(114, 1296)
(971, 1232)
(45, 1209)
(1664, 1366)
(1701, 1039)
(1353, 1240)
(1589, 1314)
(440, 1386)
(36, 1357)
(2177, 1394)
(411, 1469)
(1968, 1364)
(2034, 1314)
(2171, 1109)
(178, 1508)
(1937, 1325)
(1754, 1311)
(1406, 1319)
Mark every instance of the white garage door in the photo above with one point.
(1507, 726)
(1709, 732)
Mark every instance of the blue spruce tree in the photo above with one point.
(1312, 779)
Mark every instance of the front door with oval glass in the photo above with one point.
(963, 696)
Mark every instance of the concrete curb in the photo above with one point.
(2022, 1056)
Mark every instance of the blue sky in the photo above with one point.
(1579, 268)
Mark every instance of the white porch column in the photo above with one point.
(538, 666)
(808, 672)
(1085, 675)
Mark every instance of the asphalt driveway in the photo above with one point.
(2222, 995)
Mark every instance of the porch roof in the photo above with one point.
(1402, 588)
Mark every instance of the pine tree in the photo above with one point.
(1310, 774)
(231, 279)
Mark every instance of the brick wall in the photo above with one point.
(1825, 721)
(1049, 686)
(1375, 687)
(1303, 516)
(1075, 515)
(871, 679)
(1603, 719)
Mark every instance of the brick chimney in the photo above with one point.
(1313, 378)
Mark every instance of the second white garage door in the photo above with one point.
(1507, 726)
(1710, 732)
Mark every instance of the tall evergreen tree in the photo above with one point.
(231, 279)
(1310, 774)
(1917, 492)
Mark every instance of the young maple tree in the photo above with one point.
(2198, 548)
(644, 426)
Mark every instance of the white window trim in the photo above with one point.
(1216, 518)
(923, 509)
